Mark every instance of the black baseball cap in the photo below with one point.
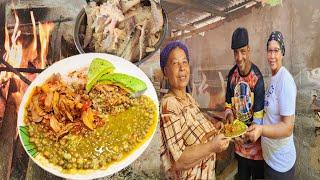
(239, 38)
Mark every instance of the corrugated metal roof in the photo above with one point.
(187, 15)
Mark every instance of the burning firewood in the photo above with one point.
(2, 109)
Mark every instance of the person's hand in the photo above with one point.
(254, 132)
(229, 118)
(172, 173)
(219, 125)
(221, 143)
(239, 140)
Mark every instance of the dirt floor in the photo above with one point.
(306, 142)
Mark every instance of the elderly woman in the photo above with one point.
(277, 130)
(189, 140)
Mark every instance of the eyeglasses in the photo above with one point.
(275, 51)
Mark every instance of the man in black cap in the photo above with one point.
(245, 102)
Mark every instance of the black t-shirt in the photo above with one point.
(245, 94)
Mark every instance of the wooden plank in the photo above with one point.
(35, 172)
(232, 8)
(7, 135)
(197, 31)
(19, 162)
(197, 4)
(204, 20)
(178, 26)
(230, 171)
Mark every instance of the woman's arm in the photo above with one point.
(193, 155)
(216, 123)
(173, 127)
(275, 131)
(287, 101)
(280, 130)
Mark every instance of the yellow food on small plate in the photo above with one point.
(235, 129)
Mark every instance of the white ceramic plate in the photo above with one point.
(66, 66)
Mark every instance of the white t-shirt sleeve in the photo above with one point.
(287, 95)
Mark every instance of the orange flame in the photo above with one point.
(14, 53)
(4, 75)
(30, 53)
(6, 41)
(18, 56)
(44, 34)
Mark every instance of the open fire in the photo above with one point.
(21, 57)
(34, 34)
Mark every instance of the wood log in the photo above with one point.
(7, 135)
(26, 70)
(19, 162)
(230, 171)
(24, 79)
(2, 109)
(4, 88)
(55, 44)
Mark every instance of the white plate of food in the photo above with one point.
(79, 133)
(235, 129)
